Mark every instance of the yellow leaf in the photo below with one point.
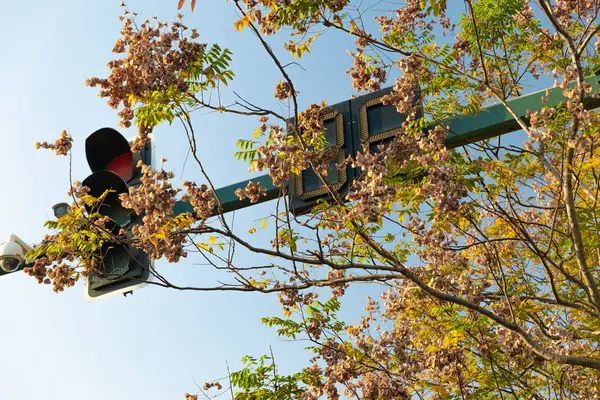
(244, 21)
(247, 19)
(441, 391)
(401, 217)
(264, 223)
(591, 163)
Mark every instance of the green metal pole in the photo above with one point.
(229, 200)
(495, 120)
(489, 122)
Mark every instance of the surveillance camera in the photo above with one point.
(12, 254)
(60, 209)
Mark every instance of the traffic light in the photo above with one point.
(122, 267)
(350, 125)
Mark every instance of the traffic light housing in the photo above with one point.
(349, 126)
(121, 267)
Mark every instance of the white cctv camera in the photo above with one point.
(12, 254)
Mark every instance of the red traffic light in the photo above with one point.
(107, 149)
(121, 267)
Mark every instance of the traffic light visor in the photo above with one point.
(107, 149)
(115, 260)
(101, 181)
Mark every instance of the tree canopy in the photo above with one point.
(487, 255)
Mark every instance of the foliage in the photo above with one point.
(259, 380)
(80, 236)
(487, 254)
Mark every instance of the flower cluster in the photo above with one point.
(59, 261)
(403, 97)
(406, 94)
(372, 193)
(201, 198)
(287, 154)
(154, 199)
(61, 147)
(525, 15)
(310, 122)
(442, 187)
(366, 76)
(283, 90)
(53, 270)
(157, 59)
(271, 15)
(252, 191)
(210, 385)
(338, 289)
(408, 18)
(568, 10)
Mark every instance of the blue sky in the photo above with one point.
(153, 344)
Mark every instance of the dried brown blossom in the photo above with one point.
(252, 191)
(61, 147)
(210, 385)
(283, 90)
(365, 75)
(408, 18)
(288, 154)
(201, 198)
(404, 97)
(154, 199)
(156, 58)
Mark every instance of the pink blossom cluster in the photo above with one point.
(157, 58)
(61, 147)
(252, 191)
(154, 199)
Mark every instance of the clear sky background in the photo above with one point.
(151, 345)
